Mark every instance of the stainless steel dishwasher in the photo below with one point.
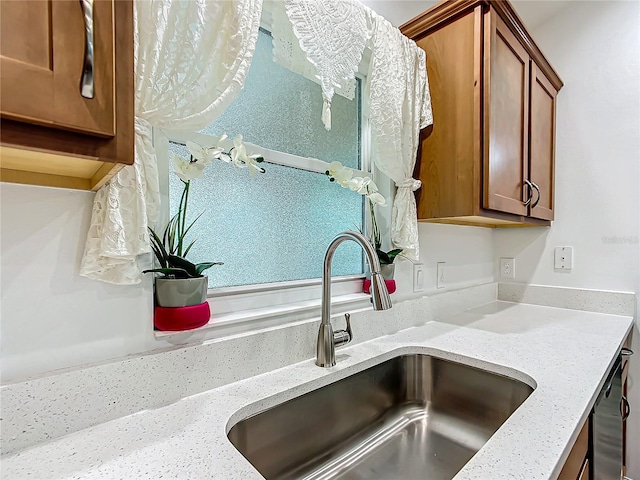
(607, 427)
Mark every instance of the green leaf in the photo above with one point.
(384, 258)
(174, 223)
(167, 231)
(201, 267)
(394, 253)
(161, 260)
(359, 228)
(158, 248)
(185, 264)
(184, 234)
(186, 252)
(175, 272)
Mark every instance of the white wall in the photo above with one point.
(466, 251)
(595, 47)
(52, 318)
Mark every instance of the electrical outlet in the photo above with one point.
(418, 277)
(507, 268)
(440, 281)
(563, 259)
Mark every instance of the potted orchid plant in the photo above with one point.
(343, 176)
(182, 282)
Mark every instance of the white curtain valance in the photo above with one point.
(333, 35)
(191, 59)
(287, 51)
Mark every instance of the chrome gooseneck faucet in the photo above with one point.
(327, 338)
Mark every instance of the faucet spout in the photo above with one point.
(327, 339)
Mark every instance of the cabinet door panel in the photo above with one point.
(41, 69)
(91, 115)
(506, 118)
(26, 61)
(542, 142)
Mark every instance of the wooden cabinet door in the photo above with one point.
(506, 119)
(542, 127)
(42, 57)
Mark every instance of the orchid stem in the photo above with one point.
(183, 214)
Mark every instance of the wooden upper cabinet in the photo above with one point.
(66, 91)
(489, 159)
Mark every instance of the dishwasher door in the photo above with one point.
(607, 428)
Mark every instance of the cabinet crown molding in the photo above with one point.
(448, 10)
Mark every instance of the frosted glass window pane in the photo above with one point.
(280, 110)
(272, 227)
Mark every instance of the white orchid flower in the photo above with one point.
(365, 186)
(185, 169)
(204, 155)
(222, 140)
(355, 184)
(334, 168)
(361, 185)
(341, 174)
(252, 163)
(223, 144)
(239, 155)
(378, 199)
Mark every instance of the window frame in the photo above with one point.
(247, 308)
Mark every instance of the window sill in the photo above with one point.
(232, 323)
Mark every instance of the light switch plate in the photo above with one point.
(418, 277)
(563, 259)
(440, 279)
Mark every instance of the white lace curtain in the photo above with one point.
(400, 105)
(191, 61)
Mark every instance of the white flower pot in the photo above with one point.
(180, 292)
(388, 271)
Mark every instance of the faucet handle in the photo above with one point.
(342, 337)
(347, 318)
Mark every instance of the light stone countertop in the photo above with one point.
(564, 354)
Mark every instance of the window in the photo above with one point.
(276, 226)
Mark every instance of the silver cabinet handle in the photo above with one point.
(626, 352)
(537, 199)
(86, 82)
(528, 183)
(625, 409)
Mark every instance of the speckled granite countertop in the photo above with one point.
(564, 354)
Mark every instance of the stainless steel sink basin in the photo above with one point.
(411, 417)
